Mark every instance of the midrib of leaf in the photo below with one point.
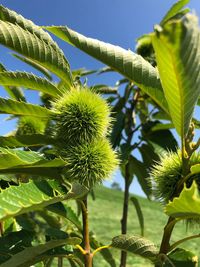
(8, 106)
(177, 50)
(28, 81)
(180, 91)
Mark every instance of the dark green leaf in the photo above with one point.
(117, 129)
(138, 169)
(139, 213)
(182, 258)
(18, 251)
(136, 245)
(65, 211)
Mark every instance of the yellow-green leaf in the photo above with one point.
(177, 48)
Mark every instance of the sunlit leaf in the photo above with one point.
(124, 61)
(187, 205)
(31, 196)
(14, 92)
(174, 10)
(28, 81)
(195, 168)
(25, 140)
(34, 65)
(9, 106)
(31, 41)
(177, 48)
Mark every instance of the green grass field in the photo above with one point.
(105, 215)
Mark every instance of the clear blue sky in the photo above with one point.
(118, 22)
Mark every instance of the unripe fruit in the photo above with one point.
(28, 125)
(81, 116)
(89, 163)
(167, 173)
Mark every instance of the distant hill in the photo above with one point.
(104, 219)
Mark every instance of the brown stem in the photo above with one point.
(125, 215)
(60, 262)
(165, 245)
(86, 238)
(1, 228)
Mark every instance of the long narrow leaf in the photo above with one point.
(174, 10)
(34, 65)
(29, 162)
(14, 92)
(28, 81)
(8, 106)
(140, 216)
(177, 48)
(17, 249)
(124, 61)
(25, 140)
(31, 46)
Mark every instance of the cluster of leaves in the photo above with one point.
(161, 84)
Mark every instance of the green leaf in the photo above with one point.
(117, 129)
(11, 158)
(13, 91)
(18, 251)
(34, 65)
(25, 140)
(136, 245)
(182, 258)
(31, 196)
(9, 106)
(29, 162)
(195, 169)
(129, 64)
(163, 138)
(28, 81)
(177, 48)
(162, 126)
(65, 211)
(148, 155)
(174, 10)
(187, 205)
(137, 168)
(139, 213)
(28, 42)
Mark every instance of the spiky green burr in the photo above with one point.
(81, 116)
(90, 163)
(27, 126)
(167, 173)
